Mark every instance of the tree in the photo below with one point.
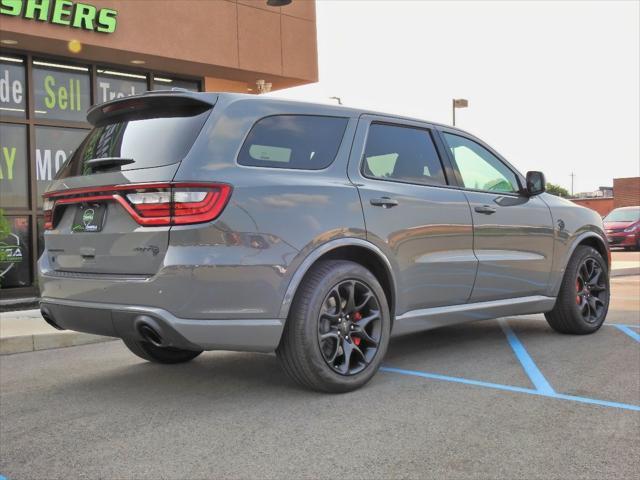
(5, 227)
(5, 230)
(557, 190)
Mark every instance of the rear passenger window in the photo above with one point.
(303, 142)
(404, 154)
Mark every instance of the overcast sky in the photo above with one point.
(553, 86)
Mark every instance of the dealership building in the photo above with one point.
(59, 57)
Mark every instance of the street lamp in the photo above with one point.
(458, 103)
(338, 99)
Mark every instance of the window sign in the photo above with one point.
(53, 146)
(13, 89)
(62, 92)
(13, 166)
(14, 251)
(112, 85)
(164, 83)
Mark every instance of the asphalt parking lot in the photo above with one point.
(493, 399)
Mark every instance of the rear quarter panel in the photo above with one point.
(240, 265)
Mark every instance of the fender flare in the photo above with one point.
(578, 240)
(310, 259)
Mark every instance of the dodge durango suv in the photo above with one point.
(187, 222)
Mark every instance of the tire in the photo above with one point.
(581, 307)
(326, 345)
(155, 354)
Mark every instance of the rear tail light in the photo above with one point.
(151, 204)
(47, 206)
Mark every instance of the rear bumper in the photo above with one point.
(125, 321)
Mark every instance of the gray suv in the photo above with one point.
(189, 222)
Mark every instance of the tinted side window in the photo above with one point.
(480, 169)
(304, 142)
(401, 153)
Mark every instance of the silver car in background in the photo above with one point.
(188, 222)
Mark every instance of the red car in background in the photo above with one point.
(622, 226)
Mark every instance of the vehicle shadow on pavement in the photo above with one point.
(483, 334)
(212, 374)
(236, 371)
(476, 350)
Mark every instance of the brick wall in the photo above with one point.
(601, 205)
(626, 192)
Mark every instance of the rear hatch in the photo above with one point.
(111, 206)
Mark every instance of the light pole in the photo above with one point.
(338, 99)
(458, 103)
(573, 175)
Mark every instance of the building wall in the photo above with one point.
(626, 191)
(230, 40)
(601, 205)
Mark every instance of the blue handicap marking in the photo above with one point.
(627, 329)
(542, 387)
(529, 366)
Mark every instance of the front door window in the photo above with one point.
(479, 168)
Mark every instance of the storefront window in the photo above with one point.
(13, 88)
(113, 84)
(165, 83)
(62, 92)
(15, 268)
(53, 146)
(14, 185)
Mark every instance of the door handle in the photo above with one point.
(486, 209)
(384, 202)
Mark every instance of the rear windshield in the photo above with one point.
(626, 215)
(150, 137)
(305, 142)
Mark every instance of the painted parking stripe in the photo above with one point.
(466, 381)
(510, 388)
(542, 387)
(627, 329)
(529, 366)
(637, 327)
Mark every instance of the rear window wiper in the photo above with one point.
(106, 162)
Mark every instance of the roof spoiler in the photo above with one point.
(162, 99)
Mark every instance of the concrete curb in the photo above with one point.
(625, 272)
(46, 341)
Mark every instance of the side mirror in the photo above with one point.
(536, 184)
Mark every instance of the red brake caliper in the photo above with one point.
(578, 290)
(357, 317)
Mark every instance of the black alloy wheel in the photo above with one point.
(349, 327)
(582, 301)
(591, 290)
